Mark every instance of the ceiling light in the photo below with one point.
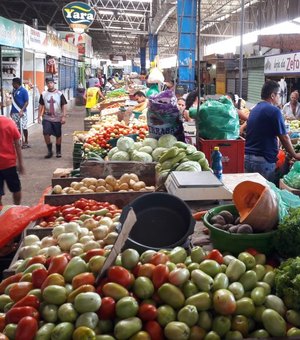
(149, 1)
(105, 12)
(78, 30)
(129, 14)
(114, 27)
(120, 42)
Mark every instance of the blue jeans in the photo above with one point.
(259, 164)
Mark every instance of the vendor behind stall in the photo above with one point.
(291, 110)
(141, 107)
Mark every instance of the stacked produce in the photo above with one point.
(155, 295)
(99, 142)
(167, 151)
(126, 183)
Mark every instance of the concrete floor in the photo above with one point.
(38, 169)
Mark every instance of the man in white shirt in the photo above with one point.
(291, 110)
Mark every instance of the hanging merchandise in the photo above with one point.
(51, 65)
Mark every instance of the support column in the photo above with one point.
(143, 59)
(187, 23)
(152, 46)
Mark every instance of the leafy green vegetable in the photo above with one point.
(125, 143)
(166, 141)
(120, 156)
(287, 238)
(287, 282)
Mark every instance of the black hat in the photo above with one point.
(17, 81)
(50, 79)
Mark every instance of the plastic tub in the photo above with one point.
(163, 221)
(236, 243)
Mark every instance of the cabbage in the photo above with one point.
(150, 142)
(112, 152)
(189, 166)
(137, 145)
(167, 141)
(125, 143)
(157, 153)
(120, 156)
(146, 149)
(141, 157)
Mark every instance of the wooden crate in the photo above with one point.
(283, 186)
(120, 199)
(145, 171)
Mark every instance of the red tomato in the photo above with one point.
(154, 329)
(26, 329)
(2, 322)
(135, 270)
(68, 217)
(83, 279)
(146, 269)
(12, 279)
(147, 312)
(160, 275)
(252, 251)
(80, 204)
(37, 259)
(100, 286)
(120, 275)
(159, 258)
(93, 252)
(14, 315)
(58, 264)
(216, 256)
(107, 308)
(28, 300)
(19, 290)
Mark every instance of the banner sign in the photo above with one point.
(79, 16)
(34, 39)
(282, 63)
(11, 33)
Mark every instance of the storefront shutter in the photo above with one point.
(256, 79)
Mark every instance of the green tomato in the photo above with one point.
(258, 296)
(212, 336)
(124, 329)
(67, 313)
(165, 314)
(143, 287)
(274, 323)
(188, 314)
(89, 319)
(205, 320)
(55, 294)
(210, 267)
(221, 325)
(62, 331)
(245, 306)
(189, 289)
(127, 307)
(87, 302)
(177, 330)
(49, 313)
(248, 259)
(4, 299)
(178, 255)
(10, 330)
(237, 289)
(130, 258)
(234, 335)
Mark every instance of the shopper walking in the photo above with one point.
(18, 111)
(10, 155)
(264, 125)
(52, 114)
(92, 96)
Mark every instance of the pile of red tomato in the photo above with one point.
(81, 209)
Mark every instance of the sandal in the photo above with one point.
(26, 146)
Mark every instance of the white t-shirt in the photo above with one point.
(288, 112)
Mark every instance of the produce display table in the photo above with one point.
(284, 186)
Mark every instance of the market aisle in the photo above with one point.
(38, 169)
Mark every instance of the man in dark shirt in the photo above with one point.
(264, 126)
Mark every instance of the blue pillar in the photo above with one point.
(143, 59)
(152, 46)
(135, 68)
(187, 23)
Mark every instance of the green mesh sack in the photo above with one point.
(286, 200)
(218, 119)
(292, 179)
(152, 90)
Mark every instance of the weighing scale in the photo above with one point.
(204, 185)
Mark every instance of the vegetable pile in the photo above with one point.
(127, 182)
(155, 295)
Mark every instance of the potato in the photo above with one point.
(134, 177)
(83, 189)
(72, 185)
(150, 188)
(65, 190)
(92, 187)
(125, 178)
(100, 189)
(131, 183)
(138, 186)
(78, 185)
(110, 180)
(124, 186)
(71, 191)
(57, 189)
(101, 182)
(109, 187)
(89, 191)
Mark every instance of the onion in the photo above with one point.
(100, 232)
(86, 239)
(58, 230)
(113, 227)
(48, 241)
(66, 240)
(111, 238)
(83, 232)
(53, 250)
(76, 251)
(29, 251)
(76, 245)
(72, 227)
(16, 265)
(90, 223)
(44, 251)
(30, 239)
(106, 221)
(91, 245)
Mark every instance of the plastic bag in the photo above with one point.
(218, 119)
(286, 200)
(163, 116)
(15, 219)
(155, 76)
(292, 179)
(153, 90)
